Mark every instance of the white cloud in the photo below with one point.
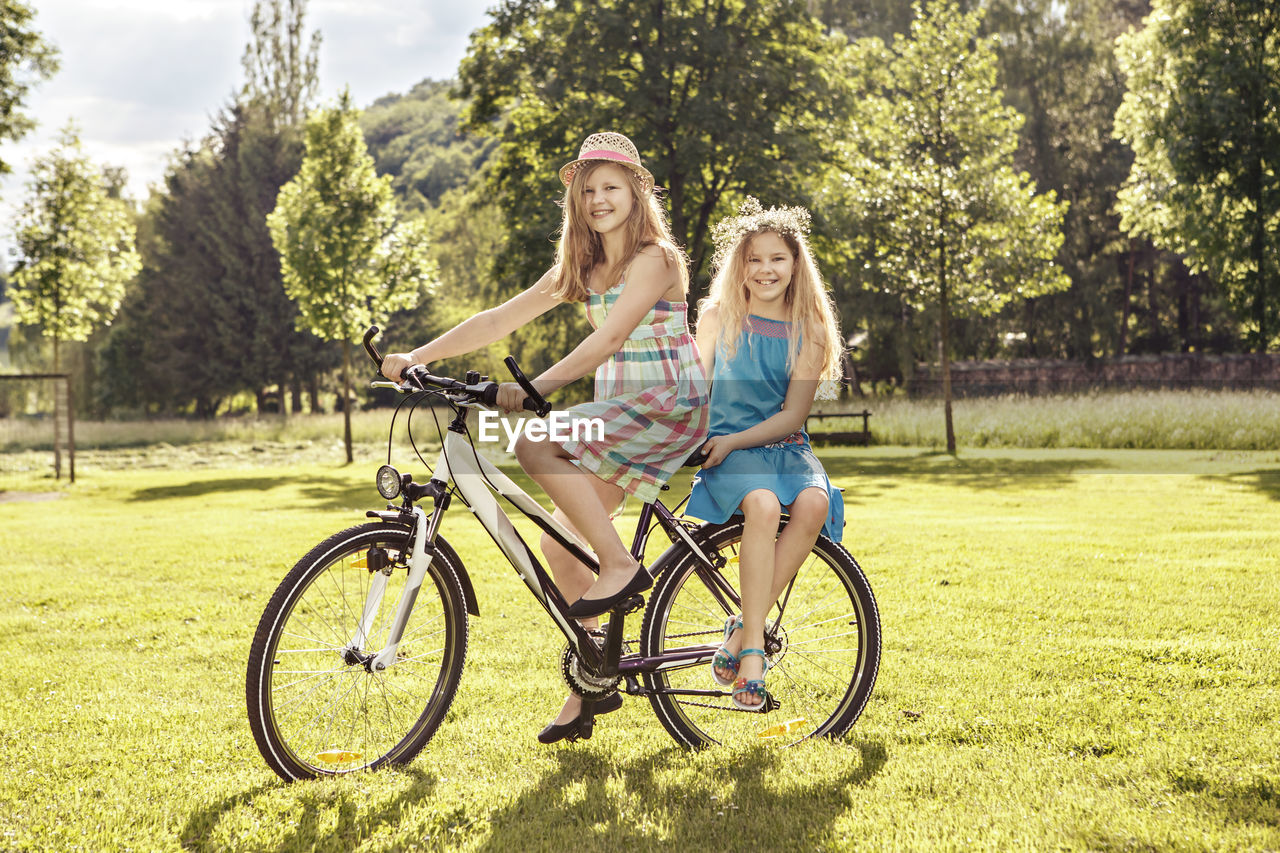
(141, 76)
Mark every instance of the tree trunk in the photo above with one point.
(346, 397)
(1128, 296)
(57, 429)
(944, 324)
(944, 356)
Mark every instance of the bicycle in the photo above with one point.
(359, 652)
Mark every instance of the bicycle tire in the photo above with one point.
(824, 655)
(322, 712)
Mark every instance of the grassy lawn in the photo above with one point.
(1079, 653)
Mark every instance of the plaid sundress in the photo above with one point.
(652, 396)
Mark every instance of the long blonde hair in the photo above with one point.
(809, 307)
(581, 249)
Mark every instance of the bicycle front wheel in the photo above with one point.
(822, 640)
(318, 706)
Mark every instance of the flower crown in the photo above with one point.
(728, 233)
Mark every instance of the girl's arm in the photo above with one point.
(801, 390)
(707, 337)
(648, 280)
(480, 330)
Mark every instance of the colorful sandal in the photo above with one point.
(752, 686)
(724, 658)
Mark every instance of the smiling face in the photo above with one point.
(607, 198)
(769, 265)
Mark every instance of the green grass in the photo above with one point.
(1079, 653)
(1153, 420)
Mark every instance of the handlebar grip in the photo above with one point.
(540, 406)
(369, 347)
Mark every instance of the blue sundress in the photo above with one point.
(746, 390)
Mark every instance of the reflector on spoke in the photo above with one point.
(797, 727)
(338, 756)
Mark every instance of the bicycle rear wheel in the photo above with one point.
(822, 641)
(316, 704)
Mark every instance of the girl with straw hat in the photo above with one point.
(615, 254)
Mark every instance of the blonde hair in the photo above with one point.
(581, 249)
(809, 307)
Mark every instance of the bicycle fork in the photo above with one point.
(422, 553)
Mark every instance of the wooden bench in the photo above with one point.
(862, 438)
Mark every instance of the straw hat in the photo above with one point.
(609, 147)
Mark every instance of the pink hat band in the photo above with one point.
(605, 154)
(609, 147)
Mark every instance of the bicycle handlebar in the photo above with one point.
(419, 379)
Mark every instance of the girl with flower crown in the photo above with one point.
(768, 337)
(617, 256)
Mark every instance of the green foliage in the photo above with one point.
(75, 247)
(1058, 69)
(210, 317)
(721, 99)
(1202, 115)
(417, 139)
(346, 261)
(928, 191)
(281, 75)
(25, 58)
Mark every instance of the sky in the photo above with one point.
(139, 77)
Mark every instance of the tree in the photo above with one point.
(25, 57)
(1202, 114)
(720, 98)
(280, 75)
(346, 261)
(75, 247)
(75, 251)
(929, 187)
(210, 308)
(417, 139)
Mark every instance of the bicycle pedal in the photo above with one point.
(631, 605)
(771, 704)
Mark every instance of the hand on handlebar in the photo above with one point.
(395, 363)
(511, 397)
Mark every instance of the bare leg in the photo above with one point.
(572, 579)
(756, 561)
(765, 571)
(574, 492)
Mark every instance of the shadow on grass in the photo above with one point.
(761, 806)
(1265, 481)
(941, 469)
(1255, 802)
(320, 493)
(356, 819)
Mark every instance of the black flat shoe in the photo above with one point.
(573, 729)
(585, 608)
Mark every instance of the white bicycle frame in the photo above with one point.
(473, 475)
(476, 480)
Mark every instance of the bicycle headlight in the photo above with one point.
(388, 482)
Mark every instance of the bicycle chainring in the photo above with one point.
(585, 684)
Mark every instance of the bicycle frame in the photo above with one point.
(479, 482)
